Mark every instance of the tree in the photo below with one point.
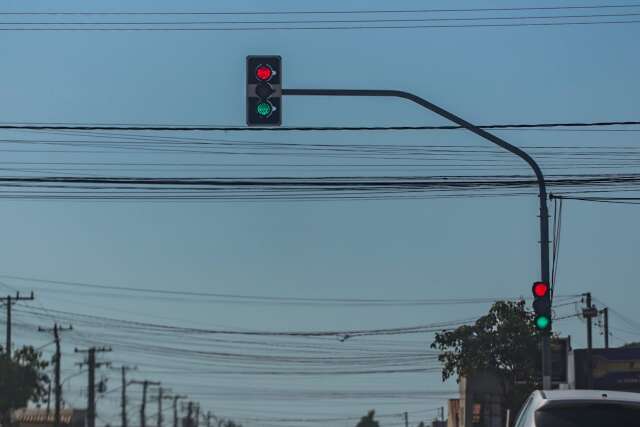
(634, 344)
(503, 342)
(22, 379)
(368, 421)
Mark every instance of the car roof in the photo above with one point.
(603, 395)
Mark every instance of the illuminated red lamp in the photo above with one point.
(540, 289)
(264, 73)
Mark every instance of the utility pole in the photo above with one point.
(197, 424)
(145, 385)
(9, 301)
(605, 315)
(161, 396)
(91, 392)
(542, 187)
(57, 358)
(589, 313)
(190, 414)
(123, 394)
(406, 419)
(175, 408)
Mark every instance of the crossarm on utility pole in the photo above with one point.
(544, 211)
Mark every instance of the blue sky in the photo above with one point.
(440, 248)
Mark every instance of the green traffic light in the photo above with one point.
(542, 322)
(264, 109)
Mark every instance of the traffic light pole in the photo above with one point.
(544, 211)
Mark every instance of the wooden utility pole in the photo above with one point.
(589, 313)
(91, 392)
(9, 301)
(175, 408)
(145, 386)
(57, 358)
(123, 393)
(605, 315)
(160, 397)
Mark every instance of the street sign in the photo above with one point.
(612, 369)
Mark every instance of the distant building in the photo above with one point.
(480, 401)
(455, 416)
(30, 417)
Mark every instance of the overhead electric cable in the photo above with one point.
(317, 12)
(332, 21)
(132, 127)
(332, 28)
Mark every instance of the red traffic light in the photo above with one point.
(264, 73)
(540, 289)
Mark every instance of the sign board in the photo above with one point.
(612, 369)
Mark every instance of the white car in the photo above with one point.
(580, 408)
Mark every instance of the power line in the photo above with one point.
(132, 127)
(318, 12)
(613, 200)
(333, 28)
(416, 301)
(333, 21)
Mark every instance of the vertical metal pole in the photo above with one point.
(544, 267)
(143, 417)
(406, 419)
(606, 326)
(160, 392)
(175, 411)
(190, 414)
(91, 403)
(123, 402)
(589, 343)
(8, 347)
(56, 335)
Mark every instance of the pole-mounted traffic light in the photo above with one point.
(264, 90)
(542, 305)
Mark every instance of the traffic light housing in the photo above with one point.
(542, 306)
(264, 90)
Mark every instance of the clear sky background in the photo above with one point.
(410, 249)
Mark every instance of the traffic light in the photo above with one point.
(542, 305)
(264, 90)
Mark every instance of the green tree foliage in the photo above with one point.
(503, 342)
(368, 421)
(22, 379)
(634, 344)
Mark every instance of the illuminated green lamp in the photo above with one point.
(542, 322)
(264, 109)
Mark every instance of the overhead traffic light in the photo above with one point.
(264, 90)
(542, 305)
